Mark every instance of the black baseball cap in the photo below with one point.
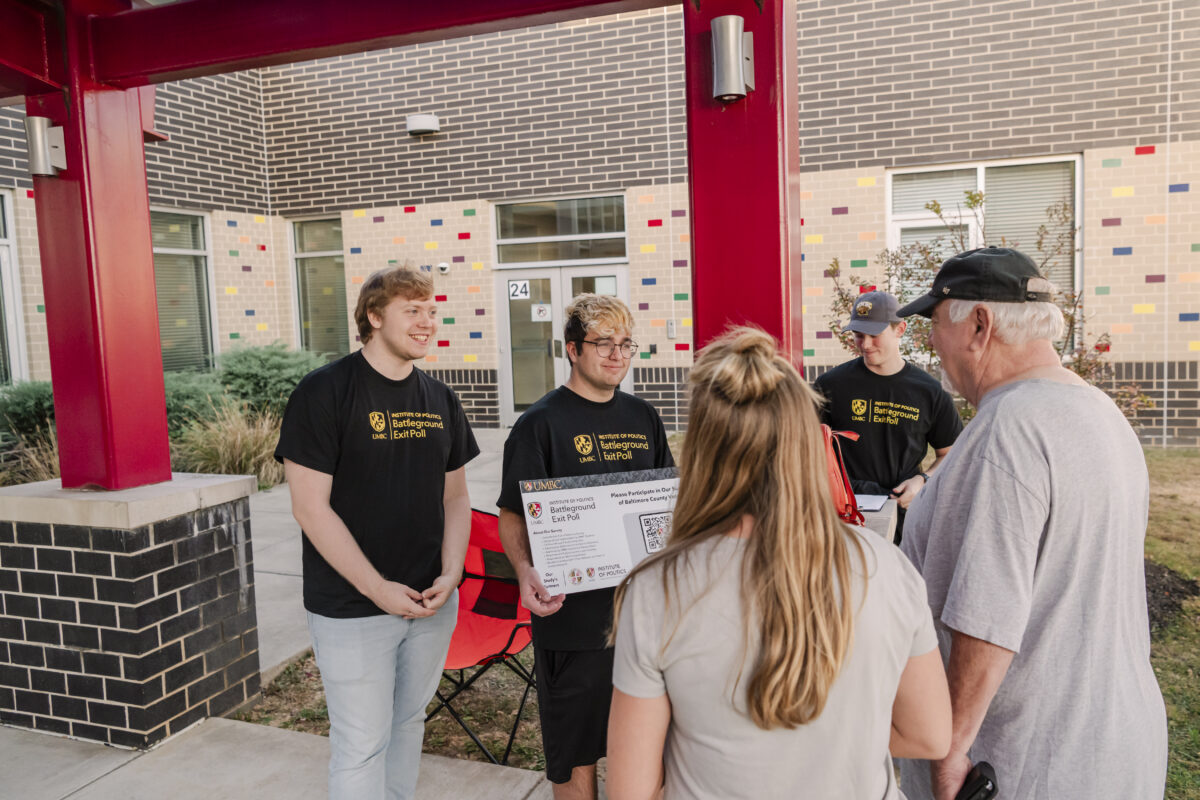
(873, 312)
(999, 274)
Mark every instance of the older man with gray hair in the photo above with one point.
(1030, 539)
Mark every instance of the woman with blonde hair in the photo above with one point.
(769, 650)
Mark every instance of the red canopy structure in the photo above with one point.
(89, 66)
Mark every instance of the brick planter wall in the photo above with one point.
(127, 636)
(665, 388)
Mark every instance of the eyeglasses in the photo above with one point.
(605, 349)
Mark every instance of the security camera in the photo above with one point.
(443, 267)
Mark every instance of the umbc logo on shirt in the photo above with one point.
(378, 421)
(535, 510)
(858, 407)
(583, 443)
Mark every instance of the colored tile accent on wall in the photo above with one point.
(1179, 187)
(678, 212)
(360, 212)
(464, 235)
(477, 265)
(643, 306)
(644, 354)
(1192, 317)
(269, 284)
(1143, 308)
(232, 223)
(359, 278)
(1122, 251)
(814, 291)
(249, 312)
(262, 248)
(865, 289)
(654, 223)
(439, 298)
(1144, 150)
(814, 238)
(824, 334)
(435, 222)
(645, 199)
(230, 290)
(649, 248)
(679, 262)
(409, 209)
(828, 273)
(685, 238)
(431, 358)
(686, 322)
(443, 343)
(235, 336)
(431, 245)
(399, 239)
(1122, 327)
(1111, 162)
(1156, 219)
(868, 236)
(649, 281)
(840, 210)
(858, 263)
(262, 326)
(681, 295)
(1122, 191)
(468, 212)
(355, 251)
(658, 323)
(1110, 222)
(247, 268)
(233, 253)
(29, 193)
(1156, 279)
(376, 219)
(682, 346)
(470, 359)
(473, 290)
(459, 259)
(447, 320)
(1103, 290)
(1189, 277)
(41, 309)
(809, 353)
(866, 181)
(476, 334)
(1196, 248)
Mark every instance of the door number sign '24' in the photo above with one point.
(518, 290)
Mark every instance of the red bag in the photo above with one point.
(839, 481)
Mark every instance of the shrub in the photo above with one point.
(234, 442)
(27, 409)
(263, 377)
(191, 396)
(33, 458)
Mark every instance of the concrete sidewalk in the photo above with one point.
(222, 759)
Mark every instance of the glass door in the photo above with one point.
(532, 357)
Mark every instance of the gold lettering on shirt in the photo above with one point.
(889, 413)
(397, 425)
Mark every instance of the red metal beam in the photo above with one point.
(30, 54)
(206, 37)
(743, 169)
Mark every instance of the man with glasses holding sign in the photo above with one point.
(587, 426)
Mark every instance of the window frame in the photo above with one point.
(567, 262)
(294, 271)
(896, 222)
(13, 296)
(210, 277)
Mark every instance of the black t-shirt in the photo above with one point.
(563, 435)
(895, 417)
(388, 445)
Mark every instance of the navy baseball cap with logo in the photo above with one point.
(998, 274)
(873, 312)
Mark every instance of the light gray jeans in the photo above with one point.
(379, 674)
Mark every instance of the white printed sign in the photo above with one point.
(540, 312)
(589, 531)
(518, 290)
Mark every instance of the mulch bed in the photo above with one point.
(1166, 591)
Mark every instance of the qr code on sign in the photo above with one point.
(655, 530)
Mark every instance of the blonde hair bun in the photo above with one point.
(746, 365)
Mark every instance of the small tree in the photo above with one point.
(909, 270)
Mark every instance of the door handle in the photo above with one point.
(558, 349)
(550, 348)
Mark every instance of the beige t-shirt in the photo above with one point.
(713, 749)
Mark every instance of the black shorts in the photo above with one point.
(574, 693)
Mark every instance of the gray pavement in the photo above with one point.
(221, 759)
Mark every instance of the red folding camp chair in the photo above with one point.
(493, 626)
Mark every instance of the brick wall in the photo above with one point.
(898, 83)
(14, 165)
(582, 106)
(1175, 418)
(665, 388)
(478, 390)
(127, 636)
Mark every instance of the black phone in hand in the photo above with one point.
(980, 783)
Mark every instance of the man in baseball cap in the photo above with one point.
(1030, 540)
(896, 408)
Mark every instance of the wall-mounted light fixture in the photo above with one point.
(421, 124)
(733, 58)
(45, 147)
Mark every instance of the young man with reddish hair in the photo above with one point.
(374, 452)
(570, 432)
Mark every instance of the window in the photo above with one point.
(11, 349)
(1018, 199)
(550, 233)
(321, 287)
(182, 285)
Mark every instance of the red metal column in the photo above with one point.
(98, 277)
(743, 160)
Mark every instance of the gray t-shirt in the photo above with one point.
(1030, 536)
(713, 749)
